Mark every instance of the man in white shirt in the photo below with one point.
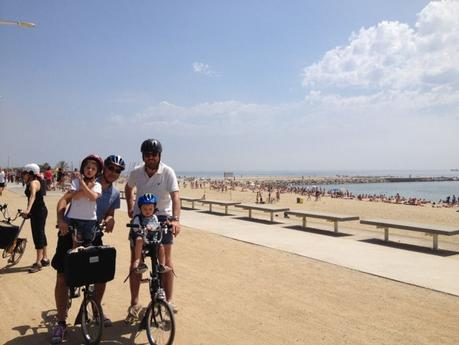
(159, 179)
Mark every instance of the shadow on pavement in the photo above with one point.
(410, 247)
(119, 333)
(317, 231)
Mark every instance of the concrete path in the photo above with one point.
(422, 269)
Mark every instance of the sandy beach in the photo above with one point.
(231, 292)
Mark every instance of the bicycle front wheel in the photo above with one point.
(92, 321)
(18, 251)
(160, 323)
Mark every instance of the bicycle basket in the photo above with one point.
(8, 232)
(90, 265)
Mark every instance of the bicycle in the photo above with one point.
(90, 315)
(13, 246)
(158, 319)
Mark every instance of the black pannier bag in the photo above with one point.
(8, 232)
(90, 265)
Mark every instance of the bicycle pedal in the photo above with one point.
(145, 280)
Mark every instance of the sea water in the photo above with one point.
(433, 191)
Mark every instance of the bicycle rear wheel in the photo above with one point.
(160, 323)
(92, 322)
(18, 251)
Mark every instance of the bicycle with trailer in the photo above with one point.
(13, 246)
(85, 266)
(158, 320)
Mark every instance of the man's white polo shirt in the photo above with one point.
(161, 184)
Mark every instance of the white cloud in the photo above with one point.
(394, 56)
(203, 68)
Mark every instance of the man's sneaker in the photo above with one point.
(58, 334)
(44, 262)
(142, 268)
(35, 268)
(107, 321)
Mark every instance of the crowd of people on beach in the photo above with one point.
(89, 203)
(269, 191)
(54, 179)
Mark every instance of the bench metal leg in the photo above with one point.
(192, 205)
(250, 213)
(181, 204)
(210, 208)
(226, 209)
(386, 234)
(335, 227)
(272, 217)
(304, 222)
(435, 241)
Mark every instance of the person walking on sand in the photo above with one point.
(154, 177)
(106, 206)
(37, 212)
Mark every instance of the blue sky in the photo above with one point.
(240, 85)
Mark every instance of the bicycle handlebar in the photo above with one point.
(6, 214)
(143, 230)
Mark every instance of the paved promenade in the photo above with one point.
(440, 273)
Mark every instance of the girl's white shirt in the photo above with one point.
(83, 208)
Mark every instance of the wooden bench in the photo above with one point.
(331, 217)
(192, 200)
(266, 208)
(434, 230)
(225, 203)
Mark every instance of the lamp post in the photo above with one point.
(16, 22)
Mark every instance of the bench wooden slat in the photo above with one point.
(267, 208)
(323, 215)
(220, 202)
(185, 198)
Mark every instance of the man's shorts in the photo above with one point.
(64, 244)
(2, 184)
(169, 237)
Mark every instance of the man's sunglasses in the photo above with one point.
(151, 154)
(112, 168)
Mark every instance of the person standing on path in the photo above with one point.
(106, 206)
(155, 177)
(37, 212)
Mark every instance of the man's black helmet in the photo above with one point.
(151, 145)
(115, 160)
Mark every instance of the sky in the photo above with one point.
(234, 85)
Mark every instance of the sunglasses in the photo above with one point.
(151, 154)
(112, 168)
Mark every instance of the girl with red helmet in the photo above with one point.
(85, 191)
